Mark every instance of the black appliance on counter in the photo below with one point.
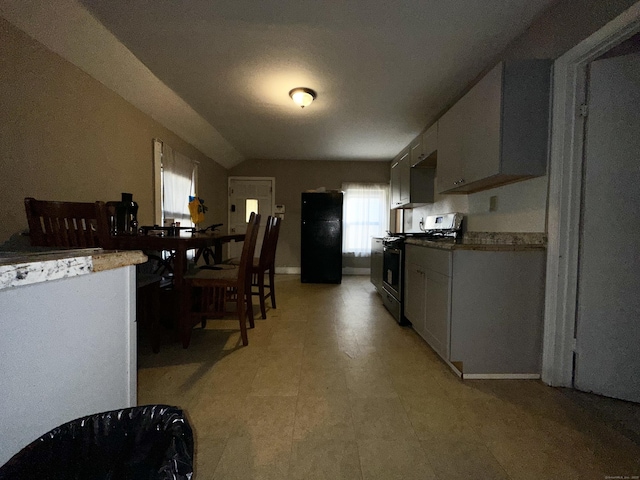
(434, 227)
(321, 237)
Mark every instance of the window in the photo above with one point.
(178, 181)
(366, 215)
(251, 206)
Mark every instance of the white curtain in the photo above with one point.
(366, 215)
(178, 182)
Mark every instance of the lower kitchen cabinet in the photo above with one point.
(428, 295)
(481, 311)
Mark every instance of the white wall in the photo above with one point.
(67, 349)
(521, 207)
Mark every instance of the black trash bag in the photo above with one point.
(153, 442)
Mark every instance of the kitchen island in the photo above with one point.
(479, 303)
(67, 339)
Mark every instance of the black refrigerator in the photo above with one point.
(321, 242)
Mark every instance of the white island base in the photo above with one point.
(67, 340)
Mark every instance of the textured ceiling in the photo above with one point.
(382, 69)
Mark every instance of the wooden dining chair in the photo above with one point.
(266, 263)
(213, 286)
(67, 224)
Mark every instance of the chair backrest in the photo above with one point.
(248, 249)
(270, 242)
(67, 224)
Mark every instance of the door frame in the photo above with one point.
(565, 193)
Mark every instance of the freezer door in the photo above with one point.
(322, 206)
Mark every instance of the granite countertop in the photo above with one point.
(487, 241)
(27, 268)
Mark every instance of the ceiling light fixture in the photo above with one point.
(303, 96)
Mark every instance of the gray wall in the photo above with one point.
(293, 178)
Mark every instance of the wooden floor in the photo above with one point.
(330, 387)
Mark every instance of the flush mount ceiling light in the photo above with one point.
(303, 96)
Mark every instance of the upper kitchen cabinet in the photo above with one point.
(399, 179)
(411, 186)
(429, 147)
(498, 132)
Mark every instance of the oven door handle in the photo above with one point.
(397, 251)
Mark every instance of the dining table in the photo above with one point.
(179, 244)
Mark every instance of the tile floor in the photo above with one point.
(330, 387)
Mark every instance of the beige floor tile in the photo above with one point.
(323, 356)
(228, 377)
(324, 335)
(416, 383)
(381, 418)
(326, 417)
(318, 459)
(322, 381)
(276, 379)
(289, 334)
(217, 416)
(208, 451)
(527, 456)
(394, 460)
(463, 460)
(259, 457)
(369, 383)
(264, 416)
(495, 419)
(440, 418)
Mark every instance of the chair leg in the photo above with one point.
(155, 314)
(272, 290)
(185, 326)
(249, 300)
(263, 308)
(243, 320)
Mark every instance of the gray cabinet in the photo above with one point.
(427, 295)
(481, 311)
(414, 288)
(399, 180)
(430, 147)
(376, 263)
(411, 186)
(498, 132)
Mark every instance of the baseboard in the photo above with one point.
(356, 271)
(500, 376)
(345, 271)
(288, 270)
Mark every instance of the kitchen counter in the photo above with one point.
(486, 241)
(28, 268)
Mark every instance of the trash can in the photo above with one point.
(153, 442)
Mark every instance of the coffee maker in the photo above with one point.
(126, 216)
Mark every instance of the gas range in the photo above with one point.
(434, 227)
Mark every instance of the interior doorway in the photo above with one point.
(607, 352)
(571, 261)
(246, 195)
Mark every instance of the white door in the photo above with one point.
(247, 194)
(608, 310)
